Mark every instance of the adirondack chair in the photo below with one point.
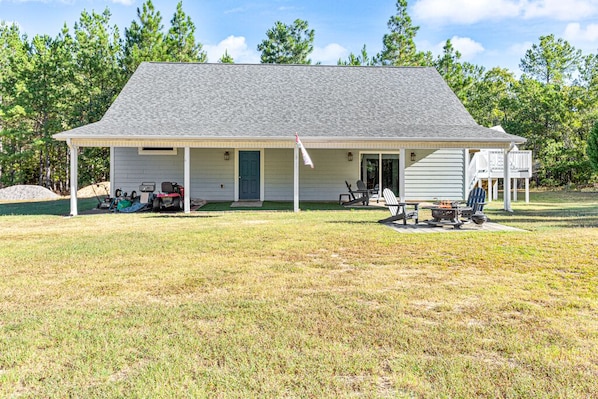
(359, 196)
(475, 203)
(398, 210)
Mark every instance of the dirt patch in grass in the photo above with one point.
(101, 189)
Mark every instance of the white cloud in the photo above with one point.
(329, 55)
(468, 48)
(473, 11)
(124, 2)
(465, 11)
(575, 33)
(236, 46)
(560, 9)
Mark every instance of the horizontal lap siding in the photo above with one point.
(278, 175)
(439, 175)
(209, 171)
(323, 183)
(132, 169)
(212, 177)
(436, 175)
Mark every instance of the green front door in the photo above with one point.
(249, 175)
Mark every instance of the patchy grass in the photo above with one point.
(316, 304)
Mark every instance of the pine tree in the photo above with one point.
(144, 40)
(180, 40)
(287, 44)
(592, 147)
(398, 46)
(226, 58)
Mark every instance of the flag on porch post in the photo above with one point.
(304, 154)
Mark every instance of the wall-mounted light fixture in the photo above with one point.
(350, 156)
(413, 157)
(226, 155)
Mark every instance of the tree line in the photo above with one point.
(51, 84)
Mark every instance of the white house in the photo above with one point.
(227, 132)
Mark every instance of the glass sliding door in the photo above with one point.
(390, 172)
(381, 170)
(370, 170)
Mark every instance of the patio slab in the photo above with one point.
(424, 228)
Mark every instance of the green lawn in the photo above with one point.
(320, 304)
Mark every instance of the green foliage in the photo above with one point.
(490, 101)
(180, 40)
(550, 61)
(356, 60)
(592, 147)
(287, 44)
(460, 76)
(226, 58)
(399, 46)
(49, 85)
(144, 40)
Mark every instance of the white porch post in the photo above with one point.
(489, 189)
(112, 172)
(495, 190)
(402, 175)
(466, 173)
(514, 190)
(187, 199)
(507, 181)
(296, 180)
(527, 190)
(73, 150)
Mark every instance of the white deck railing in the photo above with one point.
(490, 164)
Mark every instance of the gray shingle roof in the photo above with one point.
(184, 100)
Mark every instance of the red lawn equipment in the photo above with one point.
(171, 198)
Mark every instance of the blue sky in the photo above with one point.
(487, 32)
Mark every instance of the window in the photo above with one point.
(157, 151)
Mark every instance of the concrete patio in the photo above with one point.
(424, 228)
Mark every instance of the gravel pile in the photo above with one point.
(26, 193)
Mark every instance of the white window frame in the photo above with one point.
(157, 151)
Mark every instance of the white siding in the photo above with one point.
(131, 169)
(212, 177)
(323, 183)
(437, 175)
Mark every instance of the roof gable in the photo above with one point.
(267, 101)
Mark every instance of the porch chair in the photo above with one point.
(355, 196)
(398, 210)
(475, 203)
(372, 193)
